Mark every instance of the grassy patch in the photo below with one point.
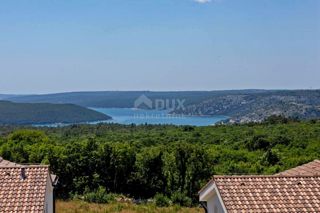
(83, 207)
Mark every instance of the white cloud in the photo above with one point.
(202, 1)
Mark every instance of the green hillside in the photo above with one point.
(146, 160)
(43, 113)
(126, 98)
(239, 105)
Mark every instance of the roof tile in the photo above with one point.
(308, 169)
(270, 193)
(23, 195)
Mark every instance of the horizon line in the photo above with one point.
(214, 90)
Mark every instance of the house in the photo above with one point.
(309, 169)
(294, 190)
(26, 188)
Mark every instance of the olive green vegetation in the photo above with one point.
(169, 163)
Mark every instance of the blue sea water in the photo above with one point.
(141, 116)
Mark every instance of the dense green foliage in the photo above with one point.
(162, 200)
(99, 195)
(175, 161)
(42, 113)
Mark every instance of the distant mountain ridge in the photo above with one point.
(303, 104)
(239, 105)
(123, 99)
(44, 113)
(6, 96)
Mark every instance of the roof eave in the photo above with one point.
(210, 190)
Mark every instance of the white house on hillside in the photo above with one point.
(26, 188)
(294, 190)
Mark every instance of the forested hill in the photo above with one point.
(239, 105)
(43, 113)
(145, 160)
(125, 99)
(7, 96)
(255, 107)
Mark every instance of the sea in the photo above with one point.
(142, 116)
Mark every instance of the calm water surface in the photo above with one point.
(140, 116)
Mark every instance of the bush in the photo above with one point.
(270, 158)
(162, 200)
(181, 199)
(283, 140)
(98, 196)
(276, 119)
(258, 142)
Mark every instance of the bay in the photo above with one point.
(141, 116)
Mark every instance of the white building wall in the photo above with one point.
(49, 197)
(214, 205)
(210, 194)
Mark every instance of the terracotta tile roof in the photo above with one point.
(269, 193)
(18, 194)
(311, 168)
(7, 163)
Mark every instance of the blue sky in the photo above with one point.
(76, 45)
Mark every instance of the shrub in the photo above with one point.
(276, 119)
(258, 142)
(270, 158)
(162, 200)
(98, 196)
(181, 199)
(280, 139)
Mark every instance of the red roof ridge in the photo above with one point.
(23, 187)
(281, 174)
(310, 168)
(35, 165)
(262, 176)
(245, 193)
(294, 190)
(9, 164)
(26, 166)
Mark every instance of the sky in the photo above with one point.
(49, 46)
